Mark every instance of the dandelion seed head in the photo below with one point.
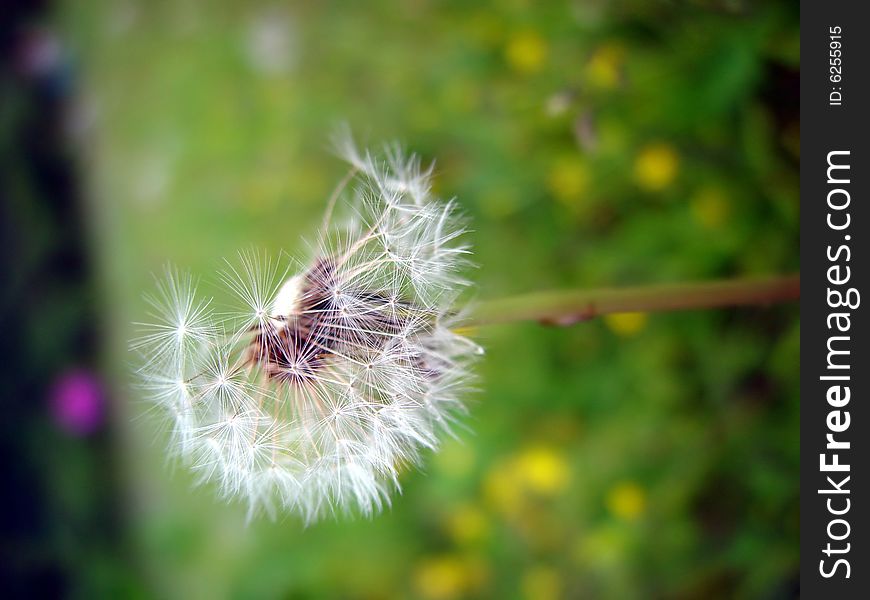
(332, 375)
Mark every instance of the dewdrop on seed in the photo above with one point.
(335, 374)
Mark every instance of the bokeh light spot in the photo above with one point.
(543, 470)
(626, 324)
(626, 500)
(568, 180)
(656, 167)
(605, 67)
(468, 525)
(526, 52)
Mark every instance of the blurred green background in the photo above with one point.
(592, 144)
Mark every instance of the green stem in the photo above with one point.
(571, 306)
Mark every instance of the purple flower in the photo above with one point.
(76, 402)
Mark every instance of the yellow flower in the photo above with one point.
(526, 52)
(541, 583)
(656, 167)
(710, 208)
(626, 324)
(537, 470)
(543, 470)
(449, 576)
(626, 500)
(441, 578)
(568, 179)
(604, 67)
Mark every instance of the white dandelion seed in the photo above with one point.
(325, 384)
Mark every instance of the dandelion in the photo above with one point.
(336, 373)
(330, 379)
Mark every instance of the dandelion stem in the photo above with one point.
(566, 307)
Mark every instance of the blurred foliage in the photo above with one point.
(591, 143)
